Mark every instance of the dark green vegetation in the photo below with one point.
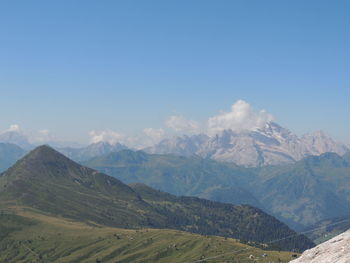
(9, 154)
(47, 181)
(35, 237)
(300, 194)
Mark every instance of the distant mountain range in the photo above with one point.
(47, 181)
(91, 151)
(270, 145)
(300, 194)
(9, 154)
(305, 187)
(17, 138)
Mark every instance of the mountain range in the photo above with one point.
(300, 194)
(9, 154)
(270, 145)
(303, 187)
(17, 138)
(91, 151)
(47, 181)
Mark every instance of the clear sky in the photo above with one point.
(75, 66)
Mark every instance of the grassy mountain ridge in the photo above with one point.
(48, 181)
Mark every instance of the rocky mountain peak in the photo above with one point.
(270, 145)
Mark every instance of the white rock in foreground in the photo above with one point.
(335, 250)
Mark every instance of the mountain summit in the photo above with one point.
(47, 180)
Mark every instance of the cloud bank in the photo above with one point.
(109, 136)
(242, 116)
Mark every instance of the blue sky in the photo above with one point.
(75, 66)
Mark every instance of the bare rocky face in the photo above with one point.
(335, 250)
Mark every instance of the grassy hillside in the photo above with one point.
(35, 237)
(48, 181)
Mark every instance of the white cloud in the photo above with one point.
(13, 128)
(181, 124)
(149, 137)
(109, 136)
(154, 134)
(241, 117)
